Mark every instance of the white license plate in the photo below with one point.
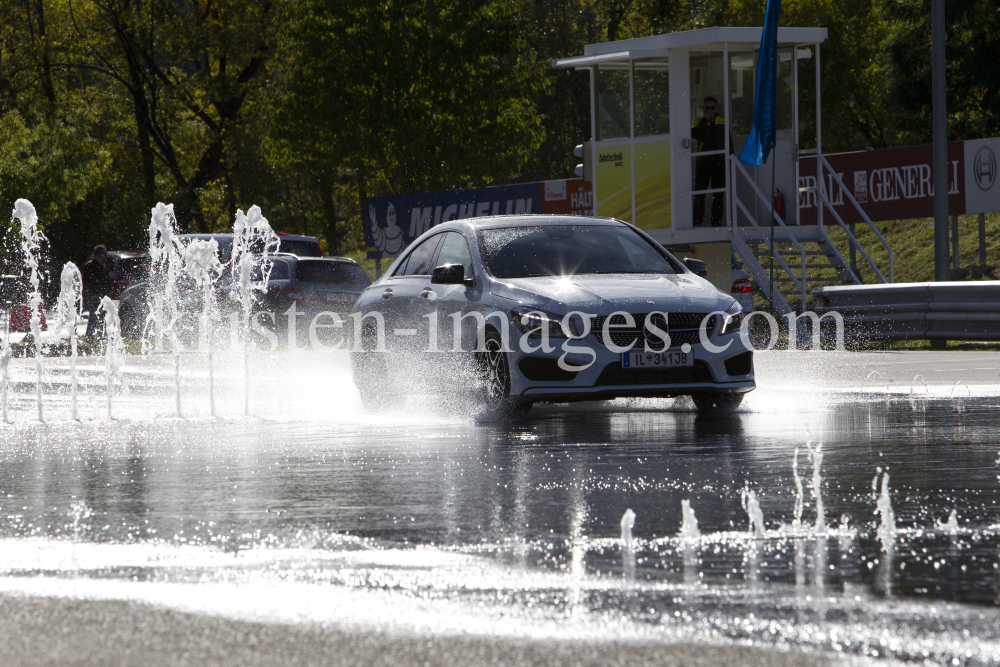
(666, 359)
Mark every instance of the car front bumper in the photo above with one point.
(605, 378)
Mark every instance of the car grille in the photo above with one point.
(614, 374)
(684, 328)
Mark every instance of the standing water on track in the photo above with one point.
(576, 524)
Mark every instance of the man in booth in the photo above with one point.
(710, 173)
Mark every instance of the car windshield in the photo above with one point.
(300, 248)
(332, 273)
(569, 250)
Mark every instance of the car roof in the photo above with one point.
(296, 237)
(532, 220)
(128, 254)
(300, 258)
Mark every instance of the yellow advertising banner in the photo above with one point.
(614, 182)
(652, 185)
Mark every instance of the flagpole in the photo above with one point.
(770, 296)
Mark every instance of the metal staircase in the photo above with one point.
(804, 256)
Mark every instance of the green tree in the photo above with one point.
(406, 96)
(973, 79)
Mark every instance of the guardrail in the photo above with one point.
(915, 311)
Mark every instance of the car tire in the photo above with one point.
(709, 402)
(371, 376)
(129, 323)
(493, 379)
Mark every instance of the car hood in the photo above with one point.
(603, 294)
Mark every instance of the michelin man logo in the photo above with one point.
(388, 239)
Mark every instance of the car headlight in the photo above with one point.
(733, 319)
(535, 322)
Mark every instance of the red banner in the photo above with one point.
(890, 184)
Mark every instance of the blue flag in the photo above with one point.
(765, 103)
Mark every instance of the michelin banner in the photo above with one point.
(393, 222)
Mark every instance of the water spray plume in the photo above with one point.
(201, 262)
(165, 266)
(628, 522)
(689, 523)
(755, 514)
(253, 244)
(951, 525)
(799, 493)
(31, 240)
(816, 455)
(68, 312)
(5, 368)
(886, 531)
(114, 349)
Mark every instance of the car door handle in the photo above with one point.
(428, 293)
(387, 294)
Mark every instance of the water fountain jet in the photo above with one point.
(114, 349)
(689, 523)
(201, 262)
(31, 239)
(951, 525)
(886, 531)
(253, 243)
(816, 455)
(627, 523)
(4, 372)
(799, 493)
(756, 515)
(165, 265)
(68, 311)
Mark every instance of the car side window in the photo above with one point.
(419, 261)
(455, 250)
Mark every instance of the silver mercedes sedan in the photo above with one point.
(536, 308)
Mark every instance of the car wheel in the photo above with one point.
(129, 323)
(717, 402)
(493, 371)
(371, 376)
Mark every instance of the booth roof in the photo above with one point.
(657, 46)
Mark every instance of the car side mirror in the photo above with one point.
(697, 267)
(449, 274)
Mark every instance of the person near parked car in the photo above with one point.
(96, 285)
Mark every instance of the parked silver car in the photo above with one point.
(548, 308)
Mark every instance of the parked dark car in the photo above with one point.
(127, 267)
(302, 246)
(313, 284)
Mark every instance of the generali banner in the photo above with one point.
(393, 222)
(898, 183)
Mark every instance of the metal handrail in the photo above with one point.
(777, 256)
(878, 234)
(851, 238)
(802, 252)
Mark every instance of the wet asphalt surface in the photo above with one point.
(498, 529)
